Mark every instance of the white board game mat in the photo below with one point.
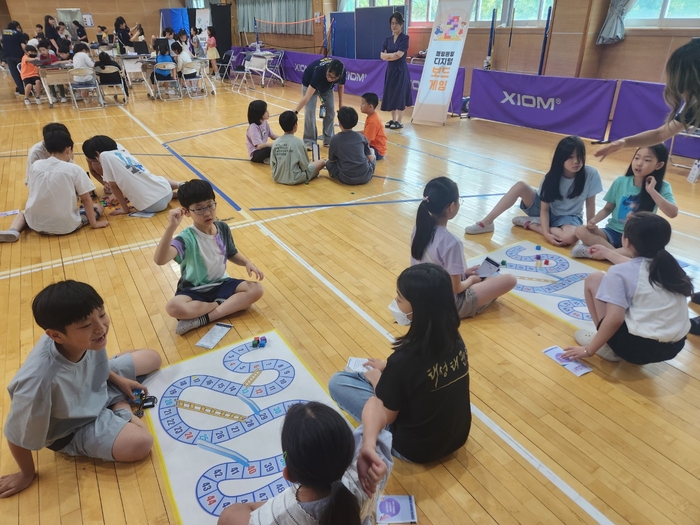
(218, 422)
(546, 279)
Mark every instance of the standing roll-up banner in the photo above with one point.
(442, 61)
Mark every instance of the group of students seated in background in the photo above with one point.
(352, 156)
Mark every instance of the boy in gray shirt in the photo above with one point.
(68, 396)
(288, 159)
(350, 159)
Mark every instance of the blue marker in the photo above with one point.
(255, 408)
(223, 451)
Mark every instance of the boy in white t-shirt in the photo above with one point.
(53, 183)
(38, 150)
(127, 177)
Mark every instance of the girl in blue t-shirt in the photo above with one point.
(639, 307)
(642, 188)
(556, 209)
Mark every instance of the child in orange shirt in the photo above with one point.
(29, 72)
(374, 130)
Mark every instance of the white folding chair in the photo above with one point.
(240, 76)
(171, 86)
(258, 65)
(195, 85)
(115, 88)
(83, 80)
(274, 67)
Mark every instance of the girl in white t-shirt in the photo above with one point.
(433, 243)
(128, 178)
(639, 307)
(320, 457)
(556, 209)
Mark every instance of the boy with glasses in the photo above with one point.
(205, 292)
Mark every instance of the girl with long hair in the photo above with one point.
(320, 461)
(642, 188)
(422, 389)
(433, 242)
(639, 307)
(556, 209)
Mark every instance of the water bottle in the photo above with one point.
(322, 111)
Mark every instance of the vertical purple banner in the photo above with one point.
(295, 63)
(416, 71)
(641, 107)
(573, 106)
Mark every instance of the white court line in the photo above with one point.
(586, 506)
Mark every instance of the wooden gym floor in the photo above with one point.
(620, 444)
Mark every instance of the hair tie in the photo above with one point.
(426, 199)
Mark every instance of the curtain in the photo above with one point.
(613, 29)
(346, 5)
(275, 11)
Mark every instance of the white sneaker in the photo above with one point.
(584, 338)
(64, 100)
(581, 251)
(38, 100)
(27, 102)
(523, 220)
(478, 228)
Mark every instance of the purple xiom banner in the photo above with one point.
(641, 107)
(365, 76)
(573, 106)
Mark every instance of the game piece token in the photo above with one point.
(538, 247)
(503, 262)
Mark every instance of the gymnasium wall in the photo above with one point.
(4, 14)
(104, 12)
(572, 50)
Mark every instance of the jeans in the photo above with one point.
(310, 132)
(351, 390)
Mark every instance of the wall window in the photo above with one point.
(664, 13)
(527, 12)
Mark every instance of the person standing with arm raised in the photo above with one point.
(319, 79)
(397, 82)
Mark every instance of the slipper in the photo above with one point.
(398, 125)
(389, 124)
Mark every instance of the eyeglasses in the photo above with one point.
(331, 78)
(202, 211)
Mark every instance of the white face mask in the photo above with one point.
(399, 316)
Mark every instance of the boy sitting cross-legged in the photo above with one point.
(68, 396)
(205, 292)
(288, 157)
(374, 129)
(350, 159)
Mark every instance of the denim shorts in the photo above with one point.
(555, 221)
(614, 238)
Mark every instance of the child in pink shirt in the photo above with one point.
(258, 132)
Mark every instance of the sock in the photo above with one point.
(203, 320)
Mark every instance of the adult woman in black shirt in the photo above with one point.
(422, 390)
(13, 41)
(51, 32)
(80, 31)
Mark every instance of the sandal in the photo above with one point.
(398, 125)
(389, 124)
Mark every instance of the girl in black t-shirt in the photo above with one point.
(422, 390)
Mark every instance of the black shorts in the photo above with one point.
(31, 81)
(222, 291)
(640, 350)
(260, 155)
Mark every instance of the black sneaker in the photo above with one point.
(695, 325)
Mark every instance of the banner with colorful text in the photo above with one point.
(442, 61)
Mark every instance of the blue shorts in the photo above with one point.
(614, 238)
(223, 290)
(555, 221)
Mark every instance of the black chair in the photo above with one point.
(224, 64)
